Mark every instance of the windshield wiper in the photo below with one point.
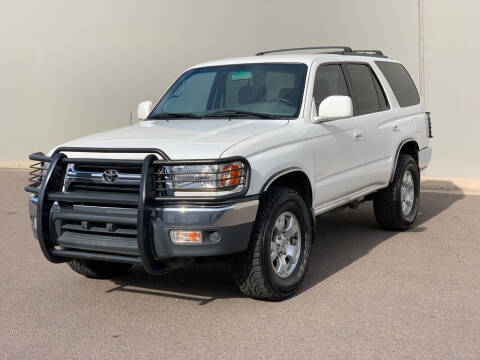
(174, 115)
(237, 113)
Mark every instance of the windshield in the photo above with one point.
(243, 90)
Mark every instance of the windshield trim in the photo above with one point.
(283, 117)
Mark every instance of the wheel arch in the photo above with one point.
(408, 146)
(296, 179)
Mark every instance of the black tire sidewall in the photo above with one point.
(409, 165)
(293, 204)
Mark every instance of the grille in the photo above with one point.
(91, 178)
(98, 213)
(127, 169)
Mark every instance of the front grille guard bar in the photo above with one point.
(52, 182)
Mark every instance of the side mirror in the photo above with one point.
(334, 107)
(144, 109)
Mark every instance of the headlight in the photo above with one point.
(206, 180)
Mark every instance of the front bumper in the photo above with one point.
(233, 222)
(132, 227)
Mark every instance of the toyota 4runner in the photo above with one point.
(236, 160)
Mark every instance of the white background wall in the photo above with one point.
(69, 68)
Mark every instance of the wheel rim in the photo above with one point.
(285, 244)
(407, 193)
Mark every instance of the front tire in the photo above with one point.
(98, 269)
(276, 261)
(396, 207)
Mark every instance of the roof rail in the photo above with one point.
(368, 53)
(344, 48)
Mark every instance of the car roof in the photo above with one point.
(307, 59)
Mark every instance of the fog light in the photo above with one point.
(186, 237)
(213, 237)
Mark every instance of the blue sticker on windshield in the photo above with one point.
(241, 75)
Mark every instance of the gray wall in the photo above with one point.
(69, 69)
(452, 77)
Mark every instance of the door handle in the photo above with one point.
(396, 127)
(357, 135)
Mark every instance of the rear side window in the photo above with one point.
(401, 83)
(366, 88)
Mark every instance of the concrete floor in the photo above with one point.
(369, 294)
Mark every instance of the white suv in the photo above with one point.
(236, 160)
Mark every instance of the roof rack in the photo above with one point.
(344, 50)
(368, 53)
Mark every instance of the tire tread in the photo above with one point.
(385, 202)
(248, 272)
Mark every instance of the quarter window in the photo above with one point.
(401, 83)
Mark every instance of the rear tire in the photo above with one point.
(98, 269)
(396, 207)
(277, 259)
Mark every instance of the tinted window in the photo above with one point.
(380, 93)
(368, 92)
(329, 80)
(401, 83)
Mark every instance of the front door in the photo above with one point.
(339, 145)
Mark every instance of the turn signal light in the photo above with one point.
(186, 237)
(231, 175)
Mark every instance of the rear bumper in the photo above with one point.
(424, 157)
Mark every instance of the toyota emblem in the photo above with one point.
(110, 176)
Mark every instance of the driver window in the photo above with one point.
(329, 80)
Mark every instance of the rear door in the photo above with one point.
(373, 111)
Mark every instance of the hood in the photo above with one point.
(179, 139)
